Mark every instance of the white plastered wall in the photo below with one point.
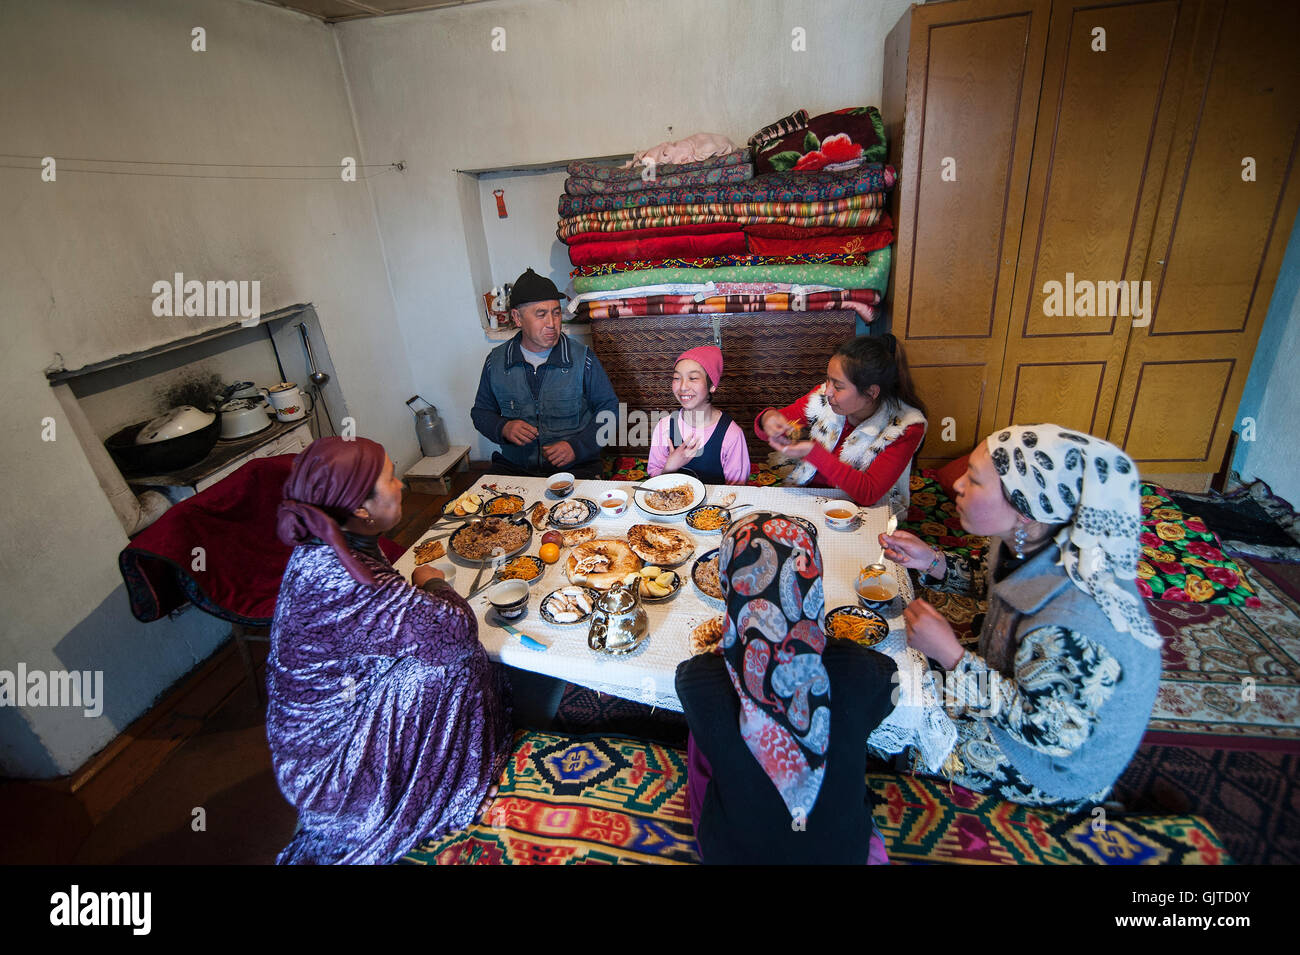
(88, 79)
(577, 78)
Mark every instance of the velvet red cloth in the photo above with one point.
(658, 247)
(237, 575)
(782, 230)
(948, 475)
(780, 239)
(690, 228)
(828, 244)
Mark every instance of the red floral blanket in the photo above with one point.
(851, 135)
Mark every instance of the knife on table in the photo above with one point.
(530, 643)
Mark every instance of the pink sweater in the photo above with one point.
(735, 453)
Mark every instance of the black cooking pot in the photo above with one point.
(161, 457)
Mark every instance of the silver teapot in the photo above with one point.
(618, 621)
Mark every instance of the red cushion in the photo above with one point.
(948, 474)
(243, 559)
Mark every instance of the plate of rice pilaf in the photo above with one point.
(669, 494)
(478, 540)
(704, 573)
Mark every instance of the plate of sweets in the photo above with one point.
(573, 512)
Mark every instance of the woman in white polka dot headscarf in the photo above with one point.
(1053, 703)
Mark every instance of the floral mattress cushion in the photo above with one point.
(1183, 560)
(626, 467)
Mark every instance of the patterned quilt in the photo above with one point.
(597, 800)
(730, 303)
(777, 187)
(857, 212)
(615, 172)
(721, 261)
(873, 275)
(581, 186)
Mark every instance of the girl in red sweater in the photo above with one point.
(863, 424)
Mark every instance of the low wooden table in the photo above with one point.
(647, 674)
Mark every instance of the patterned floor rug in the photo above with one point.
(1231, 674)
(928, 821)
(592, 800)
(599, 800)
(1251, 799)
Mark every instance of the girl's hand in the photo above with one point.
(932, 634)
(777, 429)
(907, 550)
(425, 573)
(680, 455)
(797, 450)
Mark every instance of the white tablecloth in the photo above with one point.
(646, 675)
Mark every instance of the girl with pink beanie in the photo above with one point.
(699, 439)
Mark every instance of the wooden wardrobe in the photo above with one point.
(1108, 141)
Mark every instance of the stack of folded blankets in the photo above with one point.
(794, 221)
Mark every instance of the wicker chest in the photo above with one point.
(769, 360)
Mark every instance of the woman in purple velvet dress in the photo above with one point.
(387, 722)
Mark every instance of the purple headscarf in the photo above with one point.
(329, 480)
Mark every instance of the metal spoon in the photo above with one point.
(495, 563)
(521, 516)
(890, 526)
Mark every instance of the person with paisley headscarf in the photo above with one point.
(779, 714)
(1052, 704)
(386, 720)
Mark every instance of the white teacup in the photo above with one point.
(612, 503)
(287, 400)
(840, 515)
(875, 590)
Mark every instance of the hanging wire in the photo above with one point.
(385, 167)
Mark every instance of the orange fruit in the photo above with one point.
(549, 553)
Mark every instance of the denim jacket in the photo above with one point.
(561, 399)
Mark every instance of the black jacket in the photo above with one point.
(744, 820)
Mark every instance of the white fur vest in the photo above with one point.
(867, 440)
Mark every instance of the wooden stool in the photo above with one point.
(430, 475)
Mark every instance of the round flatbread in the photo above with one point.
(657, 544)
(600, 564)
